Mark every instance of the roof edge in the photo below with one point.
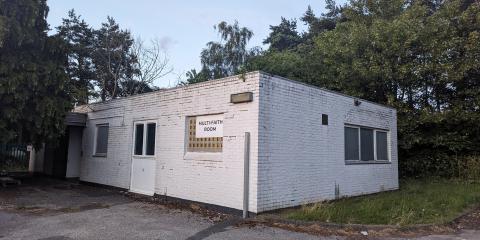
(260, 72)
(323, 89)
(172, 88)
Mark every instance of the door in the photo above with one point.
(74, 154)
(55, 157)
(143, 158)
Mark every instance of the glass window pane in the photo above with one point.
(138, 139)
(351, 143)
(102, 139)
(382, 151)
(150, 139)
(324, 119)
(366, 142)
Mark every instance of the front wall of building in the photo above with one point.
(302, 161)
(214, 178)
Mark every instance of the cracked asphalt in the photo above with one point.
(57, 210)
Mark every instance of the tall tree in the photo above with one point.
(33, 84)
(284, 36)
(327, 21)
(195, 77)
(132, 87)
(113, 58)
(152, 64)
(79, 39)
(225, 58)
(419, 56)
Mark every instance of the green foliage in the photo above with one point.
(225, 58)
(113, 59)
(421, 57)
(195, 77)
(326, 22)
(284, 36)
(34, 89)
(79, 39)
(107, 62)
(284, 63)
(417, 202)
(132, 87)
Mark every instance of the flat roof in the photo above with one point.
(238, 76)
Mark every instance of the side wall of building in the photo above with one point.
(214, 178)
(302, 161)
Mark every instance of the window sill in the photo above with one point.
(350, 162)
(144, 156)
(100, 155)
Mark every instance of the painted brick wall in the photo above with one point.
(211, 178)
(300, 160)
(294, 159)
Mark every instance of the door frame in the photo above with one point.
(134, 157)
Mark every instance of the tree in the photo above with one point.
(225, 58)
(419, 56)
(2, 29)
(284, 36)
(195, 77)
(152, 64)
(34, 89)
(327, 21)
(114, 61)
(132, 87)
(79, 39)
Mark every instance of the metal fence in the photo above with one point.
(14, 158)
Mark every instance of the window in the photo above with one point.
(365, 144)
(382, 149)
(351, 144)
(144, 142)
(324, 119)
(101, 140)
(139, 139)
(150, 139)
(205, 133)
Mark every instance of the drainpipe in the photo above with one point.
(246, 173)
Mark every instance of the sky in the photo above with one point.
(184, 27)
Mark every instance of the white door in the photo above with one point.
(143, 158)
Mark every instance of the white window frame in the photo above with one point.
(144, 146)
(95, 139)
(375, 130)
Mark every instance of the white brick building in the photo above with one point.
(306, 144)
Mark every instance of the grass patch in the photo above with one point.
(417, 202)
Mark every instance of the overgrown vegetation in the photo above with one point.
(417, 202)
(42, 77)
(420, 56)
(108, 63)
(34, 89)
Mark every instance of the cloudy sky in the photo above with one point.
(184, 27)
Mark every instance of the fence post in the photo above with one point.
(31, 160)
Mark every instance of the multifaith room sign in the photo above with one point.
(209, 126)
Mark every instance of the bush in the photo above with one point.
(429, 163)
